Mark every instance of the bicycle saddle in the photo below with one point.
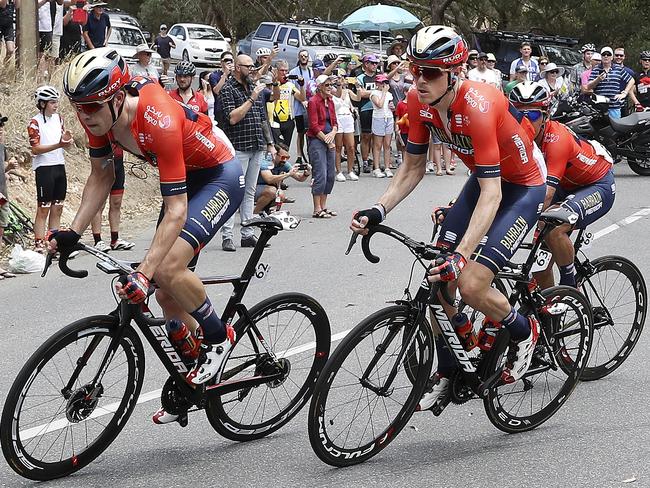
(263, 223)
(558, 216)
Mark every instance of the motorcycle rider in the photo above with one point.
(641, 93)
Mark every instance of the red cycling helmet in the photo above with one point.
(95, 76)
(437, 46)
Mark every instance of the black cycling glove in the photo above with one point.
(374, 214)
(66, 239)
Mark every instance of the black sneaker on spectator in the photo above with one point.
(228, 245)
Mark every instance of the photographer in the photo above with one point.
(272, 174)
(217, 80)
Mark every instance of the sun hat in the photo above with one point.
(552, 67)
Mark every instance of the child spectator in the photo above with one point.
(382, 125)
(343, 97)
(48, 138)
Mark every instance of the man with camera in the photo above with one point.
(247, 127)
(272, 175)
(217, 80)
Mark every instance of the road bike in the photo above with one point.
(20, 227)
(618, 296)
(374, 380)
(75, 394)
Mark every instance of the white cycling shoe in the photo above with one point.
(437, 397)
(162, 417)
(520, 354)
(211, 359)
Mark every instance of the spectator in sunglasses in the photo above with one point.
(483, 74)
(552, 79)
(521, 74)
(164, 44)
(611, 81)
(619, 59)
(143, 66)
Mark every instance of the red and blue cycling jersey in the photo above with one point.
(572, 162)
(169, 135)
(490, 136)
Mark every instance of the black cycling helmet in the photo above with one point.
(587, 47)
(185, 68)
(529, 94)
(645, 55)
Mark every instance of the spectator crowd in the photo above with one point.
(339, 113)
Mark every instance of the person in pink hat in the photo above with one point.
(382, 125)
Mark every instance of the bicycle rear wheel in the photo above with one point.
(296, 329)
(560, 357)
(350, 421)
(618, 296)
(48, 431)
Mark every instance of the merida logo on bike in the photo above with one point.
(515, 234)
(523, 155)
(161, 337)
(452, 340)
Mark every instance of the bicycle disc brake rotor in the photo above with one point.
(267, 367)
(82, 403)
(172, 399)
(460, 392)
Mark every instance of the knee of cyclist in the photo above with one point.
(163, 298)
(471, 289)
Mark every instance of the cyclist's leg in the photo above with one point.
(590, 203)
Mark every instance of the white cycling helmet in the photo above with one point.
(46, 93)
(263, 51)
(288, 221)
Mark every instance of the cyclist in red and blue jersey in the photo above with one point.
(580, 176)
(200, 182)
(496, 208)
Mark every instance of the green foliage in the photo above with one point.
(152, 13)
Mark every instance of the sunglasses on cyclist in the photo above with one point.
(429, 74)
(533, 115)
(89, 108)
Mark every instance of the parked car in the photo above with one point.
(117, 15)
(124, 39)
(505, 46)
(368, 42)
(198, 43)
(244, 45)
(318, 38)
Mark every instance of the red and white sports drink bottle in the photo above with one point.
(465, 331)
(488, 333)
(183, 340)
(278, 200)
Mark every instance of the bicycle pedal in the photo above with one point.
(438, 409)
(182, 419)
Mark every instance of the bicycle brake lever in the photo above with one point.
(353, 241)
(48, 263)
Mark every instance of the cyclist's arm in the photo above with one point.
(98, 186)
(550, 193)
(482, 216)
(405, 180)
(166, 234)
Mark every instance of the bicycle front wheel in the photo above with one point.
(618, 296)
(559, 359)
(295, 328)
(357, 409)
(49, 430)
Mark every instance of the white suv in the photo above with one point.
(198, 43)
(124, 39)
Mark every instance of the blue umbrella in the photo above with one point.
(380, 17)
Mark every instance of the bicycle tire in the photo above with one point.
(565, 302)
(609, 323)
(16, 440)
(222, 410)
(322, 419)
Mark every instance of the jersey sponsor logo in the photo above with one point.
(515, 234)
(475, 100)
(592, 202)
(586, 159)
(550, 138)
(205, 141)
(154, 116)
(458, 119)
(165, 122)
(426, 114)
(519, 143)
(460, 143)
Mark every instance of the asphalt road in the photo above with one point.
(600, 438)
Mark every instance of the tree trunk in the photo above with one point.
(438, 8)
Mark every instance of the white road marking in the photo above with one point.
(155, 394)
(147, 397)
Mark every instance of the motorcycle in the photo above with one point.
(627, 137)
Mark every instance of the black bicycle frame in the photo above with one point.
(153, 329)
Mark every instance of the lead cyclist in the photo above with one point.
(498, 205)
(200, 181)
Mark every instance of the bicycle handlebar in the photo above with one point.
(121, 266)
(420, 249)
